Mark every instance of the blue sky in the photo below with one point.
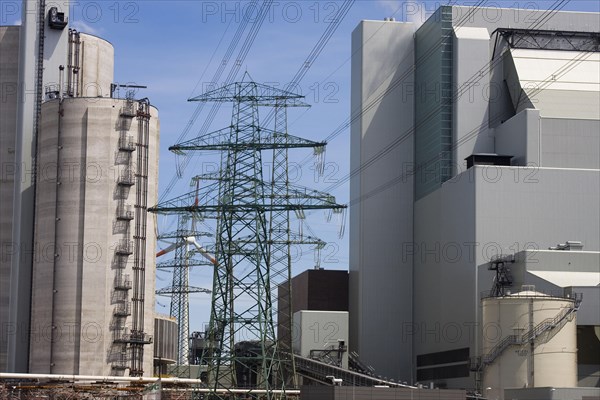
(175, 47)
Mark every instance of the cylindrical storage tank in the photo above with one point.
(82, 284)
(96, 72)
(165, 340)
(535, 354)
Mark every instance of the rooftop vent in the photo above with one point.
(570, 245)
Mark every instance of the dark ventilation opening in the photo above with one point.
(488, 159)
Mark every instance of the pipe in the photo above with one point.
(293, 392)
(56, 223)
(59, 377)
(142, 379)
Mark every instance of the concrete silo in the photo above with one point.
(529, 341)
(92, 63)
(93, 273)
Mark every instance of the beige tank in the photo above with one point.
(541, 342)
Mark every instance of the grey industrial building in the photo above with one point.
(77, 264)
(474, 136)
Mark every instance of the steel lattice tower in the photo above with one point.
(253, 237)
(281, 237)
(180, 288)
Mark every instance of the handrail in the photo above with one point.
(532, 334)
(320, 371)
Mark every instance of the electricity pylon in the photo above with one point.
(243, 350)
(180, 289)
(281, 237)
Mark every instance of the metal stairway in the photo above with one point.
(531, 335)
(322, 373)
(356, 364)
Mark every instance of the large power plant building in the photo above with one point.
(475, 140)
(77, 272)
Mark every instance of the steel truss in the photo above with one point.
(253, 239)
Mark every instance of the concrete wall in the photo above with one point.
(470, 110)
(381, 147)
(54, 55)
(551, 393)
(56, 44)
(549, 142)
(9, 70)
(514, 207)
(368, 393)
(77, 233)
(444, 252)
(519, 137)
(570, 143)
(319, 330)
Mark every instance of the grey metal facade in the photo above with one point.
(9, 70)
(381, 212)
(431, 242)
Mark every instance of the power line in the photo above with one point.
(316, 50)
(211, 58)
(303, 69)
(400, 80)
(217, 76)
(461, 91)
(473, 133)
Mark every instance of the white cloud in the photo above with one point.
(85, 28)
